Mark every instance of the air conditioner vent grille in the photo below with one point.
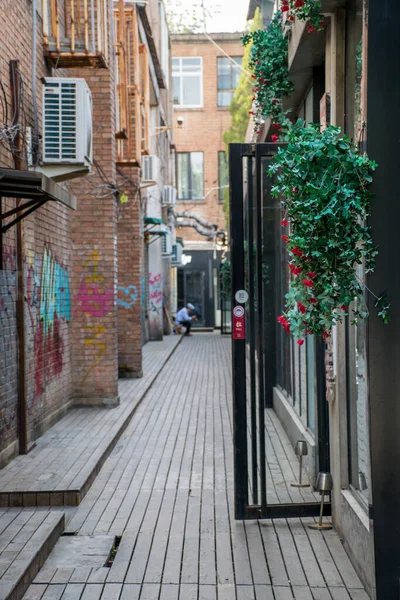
(60, 121)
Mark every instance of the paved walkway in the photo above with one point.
(66, 459)
(166, 492)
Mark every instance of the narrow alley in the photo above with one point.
(166, 493)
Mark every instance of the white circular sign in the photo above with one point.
(241, 296)
(238, 311)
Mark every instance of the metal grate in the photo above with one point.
(60, 122)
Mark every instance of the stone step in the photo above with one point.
(27, 538)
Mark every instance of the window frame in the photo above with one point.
(180, 74)
(230, 90)
(189, 153)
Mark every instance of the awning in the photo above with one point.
(152, 221)
(33, 187)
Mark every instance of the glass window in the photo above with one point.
(229, 69)
(223, 177)
(190, 176)
(187, 78)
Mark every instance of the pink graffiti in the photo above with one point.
(94, 299)
(156, 296)
(153, 279)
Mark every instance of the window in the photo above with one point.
(229, 70)
(190, 176)
(223, 178)
(187, 77)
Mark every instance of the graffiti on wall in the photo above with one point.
(49, 305)
(155, 293)
(127, 296)
(8, 343)
(95, 301)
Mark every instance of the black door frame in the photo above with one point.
(246, 217)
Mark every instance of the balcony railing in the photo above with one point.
(76, 33)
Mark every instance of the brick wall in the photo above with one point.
(203, 128)
(130, 248)
(47, 268)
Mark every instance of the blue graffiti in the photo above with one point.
(130, 294)
(55, 296)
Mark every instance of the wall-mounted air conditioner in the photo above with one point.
(169, 196)
(67, 150)
(150, 170)
(176, 258)
(166, 244)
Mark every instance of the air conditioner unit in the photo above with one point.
(67, 128)
(176, 258)
(150, 169)
(169, 196)
(166, 244)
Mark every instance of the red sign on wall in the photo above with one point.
(238, 323)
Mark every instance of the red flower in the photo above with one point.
(322, 25)
(345, 308)
(313, 300)
(295, 190)
(276, 126)
(285, 323)
(300, 342)
(296, 250)
(253, 98)
(259, 132)
(253, 77)
(291, 17)
(251, 112)
(285, 238)
(284, 223)
(274, 137)
(302, 308)
(325, 335)
(308, 332)
(311, 274)
(299, 3)
(295, 270)
(285, 8)
(311, 29)
(274, 100)
(308, 283)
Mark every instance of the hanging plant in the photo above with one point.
(305, 10)
(269, 64)
(324, 181)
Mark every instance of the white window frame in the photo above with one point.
(187, 73)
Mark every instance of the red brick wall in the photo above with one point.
(203, 128)
(47, 268)
(130, 246)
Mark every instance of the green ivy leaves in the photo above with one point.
(323, 181)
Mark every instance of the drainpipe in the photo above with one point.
(15, 80)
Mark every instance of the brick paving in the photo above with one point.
(166, 490)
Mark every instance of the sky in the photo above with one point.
(231, 17)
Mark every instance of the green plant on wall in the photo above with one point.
(240, 106)
(269, 64)
(323, 181)
(305, 10)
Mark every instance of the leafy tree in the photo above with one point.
(241, 104)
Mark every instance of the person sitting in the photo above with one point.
(183, 317)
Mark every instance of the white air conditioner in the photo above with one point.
(166, 244)
(169, 196)
(67, 128)
(150, 169)
(176, 257)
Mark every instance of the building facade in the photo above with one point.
(205, 72)
(342, 76)
(89, 116)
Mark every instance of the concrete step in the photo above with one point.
(26, 540)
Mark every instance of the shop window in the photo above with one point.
(187, 77)
(190, 176)
(229, 69)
